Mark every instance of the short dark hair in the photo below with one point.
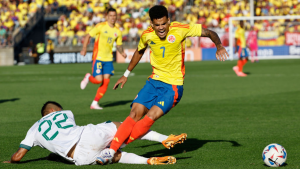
(50, 102)
(157, 12)
(111, 9)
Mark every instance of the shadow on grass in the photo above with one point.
(191, 144)
(283, 165)
(117, 103)
(9, 100)
(51, 157)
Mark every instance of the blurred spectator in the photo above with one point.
(52, 34)
(40, 48)
(133, 34)
(50, 50)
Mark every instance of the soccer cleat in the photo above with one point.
(105, 157)
(96, 106)
(236, 69)
(161, 160)
(85, 81)
(174, 139)
(241, 74)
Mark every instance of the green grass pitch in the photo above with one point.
(228, 119)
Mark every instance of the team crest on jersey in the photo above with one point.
(171, 38)
(116, 34)
(98, 71)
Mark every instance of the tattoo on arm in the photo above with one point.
(120, 49)
(212, 35)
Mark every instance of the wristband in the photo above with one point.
(127, 72)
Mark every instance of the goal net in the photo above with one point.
(278, 37)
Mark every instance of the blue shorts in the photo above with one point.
(101, 68)
(158, 93)
(242, 52)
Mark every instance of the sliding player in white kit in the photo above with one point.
(57, 132)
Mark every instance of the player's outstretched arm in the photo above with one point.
(221, 53)
(134, 61)
(121, 50)
(15, 158)
(84, 45)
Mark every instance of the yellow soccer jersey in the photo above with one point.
(167, 56)
(240, 35)
(105, 38)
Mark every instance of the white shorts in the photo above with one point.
(93, 140)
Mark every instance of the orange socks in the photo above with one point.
(93, 80)
(123, 133)
(102, 89)
(245, 61)
(240, 65)
(140, 128)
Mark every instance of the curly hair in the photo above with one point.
(157, 12)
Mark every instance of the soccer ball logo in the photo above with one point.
(274, 155)
(171, 38)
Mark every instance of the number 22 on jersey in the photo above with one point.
(57, 123)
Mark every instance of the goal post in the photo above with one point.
(267, 52)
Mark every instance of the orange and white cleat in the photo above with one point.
(174, 139)
(161, 160)
(85, 81)
(236, 69)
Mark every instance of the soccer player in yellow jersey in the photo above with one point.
(163, 89)
(106, 34)
(240, 47)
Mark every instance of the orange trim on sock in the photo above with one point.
(140, 129)
(123, 133)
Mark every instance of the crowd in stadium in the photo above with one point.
(14, 14)
(78, 16)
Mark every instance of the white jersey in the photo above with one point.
(56, 132)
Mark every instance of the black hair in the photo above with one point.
(111, 9)
(50, 102)
(157, 12)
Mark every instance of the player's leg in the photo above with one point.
(99, 93)
(169, 96)
(137, 112)
(131, 158)
(96, 70)
(107, 71)
(237, 68)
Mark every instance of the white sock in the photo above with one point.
(130, 158)
(94, 102)
(154, 136)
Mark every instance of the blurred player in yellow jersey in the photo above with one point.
(240, 47)
(164, 88)
(106, 34)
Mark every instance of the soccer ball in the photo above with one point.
(274, 155)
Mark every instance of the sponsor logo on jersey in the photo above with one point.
(161, 103)
(105, 32)
(98, 71)
(171, 38)
(152, 43)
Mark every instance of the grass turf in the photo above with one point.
(228, 119)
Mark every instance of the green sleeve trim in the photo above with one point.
(25, 146)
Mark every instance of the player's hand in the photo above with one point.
(221, 53)
(6, 162)
(83, 52)
(122, 80)
(124, 55)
